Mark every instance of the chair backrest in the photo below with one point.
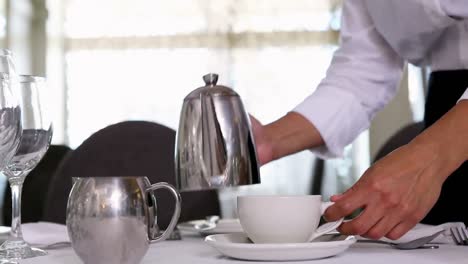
(36, 186)
(400, 138)
(131, 148)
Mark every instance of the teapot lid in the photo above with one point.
(211, 87)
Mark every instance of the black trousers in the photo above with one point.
(445, 89)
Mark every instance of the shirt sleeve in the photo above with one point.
(464, 96)
(457, 9)
(363, 77)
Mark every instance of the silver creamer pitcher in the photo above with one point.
(113, 219)
(215, 147)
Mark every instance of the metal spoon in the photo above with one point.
(208, 224)
(418, 243)
(57, 245)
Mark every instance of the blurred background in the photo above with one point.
(108, 61)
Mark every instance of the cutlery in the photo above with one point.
(208, 224)
(175, 235)
(57, 245)
(459, 235)
(395, 245)
(418, 243)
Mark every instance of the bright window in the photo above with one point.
(137, 59)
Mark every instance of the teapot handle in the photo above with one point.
(175, 216)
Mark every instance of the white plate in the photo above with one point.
(238, 246)
(224, 226)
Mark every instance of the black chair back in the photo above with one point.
(131, 148)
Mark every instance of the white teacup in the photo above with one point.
(283, 219)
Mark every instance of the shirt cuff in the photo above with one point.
(457, 9)
(439, 11)
(330, 111)
(464, 96)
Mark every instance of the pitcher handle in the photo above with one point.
(175, 216)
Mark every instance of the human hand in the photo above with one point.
(395, 194)
(289, 134)
(262, 141)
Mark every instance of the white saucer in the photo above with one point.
(224, 226)
(238, 246)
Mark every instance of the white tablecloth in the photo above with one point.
(193, 250)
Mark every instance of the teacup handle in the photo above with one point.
(175, 216)
(327, 227)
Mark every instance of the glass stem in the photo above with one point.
(16, 189)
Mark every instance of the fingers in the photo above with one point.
(366, 220)
(256, 127)
(387, 223)
(254, 121)
(345, 205)
(263, 146)
(401, 229)
(335, 198)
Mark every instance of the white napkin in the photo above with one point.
(422, 230)
(44, 233)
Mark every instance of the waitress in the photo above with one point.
(425, 180)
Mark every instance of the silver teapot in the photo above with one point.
(113, 219)
(215, 147)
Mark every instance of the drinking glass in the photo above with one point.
(35, 140)
(10, 114)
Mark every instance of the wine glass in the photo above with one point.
(10, 114)
(35, 140)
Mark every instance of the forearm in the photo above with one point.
(292, 133)
(447, 139)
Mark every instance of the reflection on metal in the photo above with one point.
(215, 146)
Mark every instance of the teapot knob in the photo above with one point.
(210, 79)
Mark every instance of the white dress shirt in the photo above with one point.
(377, 38)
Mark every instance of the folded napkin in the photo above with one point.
(423, 230)
(44, 233)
